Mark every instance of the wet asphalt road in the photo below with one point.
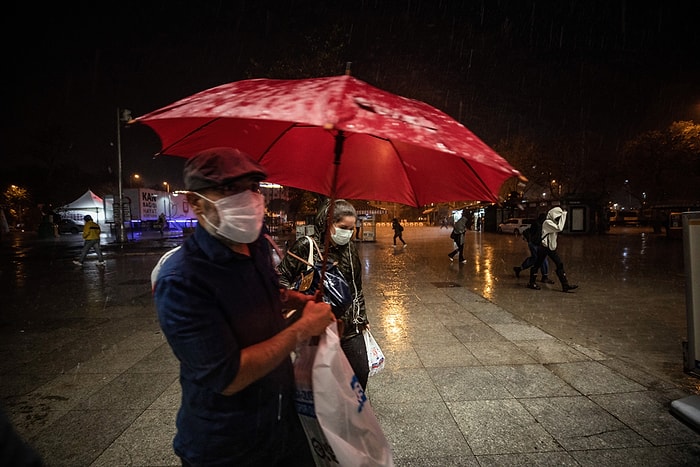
(630, 304)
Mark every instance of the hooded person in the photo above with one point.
(553, 224)
(353, 318)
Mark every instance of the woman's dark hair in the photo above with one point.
(341, 209)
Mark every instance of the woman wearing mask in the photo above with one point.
(343, 251)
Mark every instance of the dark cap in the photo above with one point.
(219, 166)
(87, 218)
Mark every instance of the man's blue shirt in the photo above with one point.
(211, 303)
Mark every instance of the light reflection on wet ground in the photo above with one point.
(630, 304)
(77, 345)
(631, 301)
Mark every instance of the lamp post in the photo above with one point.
(122, 116)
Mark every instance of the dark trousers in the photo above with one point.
(289, 448)
(460, 250)
(355, 350)
(398, 235)
(542, 254)
(532, 260)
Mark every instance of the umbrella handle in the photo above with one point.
(339, 143)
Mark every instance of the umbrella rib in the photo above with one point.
(280, 136)
(494, 198)
(476, 174)
(199, 128)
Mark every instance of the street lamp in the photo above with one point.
(135, 180)
(167, 186)
(123, 115)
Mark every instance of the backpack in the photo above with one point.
(533, 233)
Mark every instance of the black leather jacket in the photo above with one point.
(290, 268)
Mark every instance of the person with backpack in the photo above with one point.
(457, 235)
(398, 231)
(532, 236)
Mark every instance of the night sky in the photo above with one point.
(548, 70)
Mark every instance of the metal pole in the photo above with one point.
(121, 234)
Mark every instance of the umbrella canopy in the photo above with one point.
(337, 136)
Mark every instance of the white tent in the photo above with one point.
(88, 203)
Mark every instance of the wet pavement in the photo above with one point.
(480, 370)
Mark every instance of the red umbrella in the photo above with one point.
(337, 136)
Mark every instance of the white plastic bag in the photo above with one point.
(304, 400)
(375, 356)
(339, 421)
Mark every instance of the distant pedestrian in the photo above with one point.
(91, 235)
(4, 226)
(443, 223)
(553, 224)
(479, 223)
(457, 235)
(358, 228)
(533, 236)
(161, 222)
(398, 231)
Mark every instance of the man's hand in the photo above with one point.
(294, 300)
(314, 320)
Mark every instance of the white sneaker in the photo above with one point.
(77, 263)
(101, 263)
(405, 245)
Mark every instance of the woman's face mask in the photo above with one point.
(343, 234)
(240, 216)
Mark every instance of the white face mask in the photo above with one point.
(240, 216)
(341, 236)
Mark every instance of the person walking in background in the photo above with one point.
(353, 319)
(4, 226)
(161, 222)
(532, 235)
(219, 304)
(457, 235)
(91, 235)
(553, 224)
(358, 229)
(398, 231)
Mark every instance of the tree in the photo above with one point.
(17, 199)
(662, 166)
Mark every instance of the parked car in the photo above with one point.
(515, 225)
(70, 226)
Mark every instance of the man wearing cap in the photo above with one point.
(219, 304)
(91, 235)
